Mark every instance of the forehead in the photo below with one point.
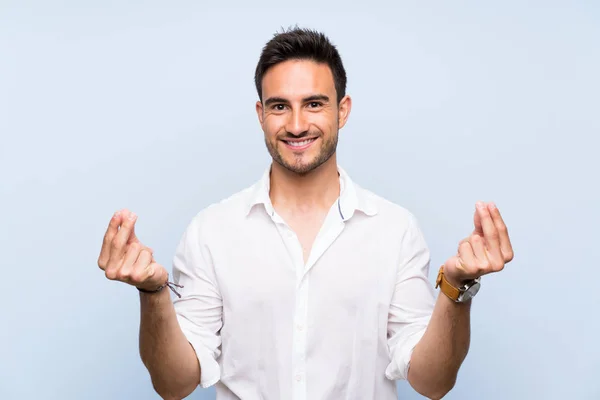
(297, 78)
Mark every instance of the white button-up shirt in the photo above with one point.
(266, 325)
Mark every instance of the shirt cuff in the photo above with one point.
(401, 354)
(210, 371)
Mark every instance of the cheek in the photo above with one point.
(272, 126)
(325, 123)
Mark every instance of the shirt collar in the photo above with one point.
(352, 198)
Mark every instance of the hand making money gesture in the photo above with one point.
(124, 258)
(485, 251)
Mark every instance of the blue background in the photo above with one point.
(150, 106)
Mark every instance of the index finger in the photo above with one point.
(490, 233)
(111, 231)
(477, 222)
(117, 245)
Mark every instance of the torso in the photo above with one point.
(306, 227)
(273, 319)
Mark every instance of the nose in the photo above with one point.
(297, 124)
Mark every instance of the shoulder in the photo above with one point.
(386, 209)
(223, 213)
(396, 220)
(401, 226)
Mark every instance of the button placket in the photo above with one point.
(299, 354)
(300, 312)
(330, 230)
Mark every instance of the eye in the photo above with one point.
(314, 104)
(279, 107)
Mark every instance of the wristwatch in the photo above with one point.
(461, 294)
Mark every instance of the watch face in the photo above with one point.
(470, 292)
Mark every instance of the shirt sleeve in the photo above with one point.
(412, 303)
(199, 310)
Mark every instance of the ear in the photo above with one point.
(344, 111)
(259, 111)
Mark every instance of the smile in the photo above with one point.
(299, 145)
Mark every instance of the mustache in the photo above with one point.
(305, 134)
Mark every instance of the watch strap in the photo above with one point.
(445, 286)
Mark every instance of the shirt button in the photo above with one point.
(299, 327)
(298, 377)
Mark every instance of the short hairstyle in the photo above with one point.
(301, 44)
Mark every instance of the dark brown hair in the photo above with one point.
(301, 44)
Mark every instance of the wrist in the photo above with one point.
(455, 281)
(153, 294)
(155, 289)
(158, 281)
(457, 289)
(151, 288)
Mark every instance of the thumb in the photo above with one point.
(132, 236)
(454, 264)
(155, 274)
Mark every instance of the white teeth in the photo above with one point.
(300, 144)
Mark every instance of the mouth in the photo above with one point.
(299, 144)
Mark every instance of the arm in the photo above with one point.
(165, 351)
(175, 336)
(179, 339)
(439, 354)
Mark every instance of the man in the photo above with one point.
(304, 285)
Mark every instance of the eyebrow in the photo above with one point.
(314, 97)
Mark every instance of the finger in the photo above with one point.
(467, 259)
(462, 241)
(119, 242)
(111, 231)
(131, 255)
(133, 237)
(504, 238)
(143, 269)
(490, 233)
(479, 250)
(477, 222)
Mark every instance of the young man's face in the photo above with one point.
(300, 115)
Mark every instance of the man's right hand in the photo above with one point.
(124, 258)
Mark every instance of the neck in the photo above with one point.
(314, 191)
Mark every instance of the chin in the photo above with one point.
(300, 162)
(303, 167)
(296, 167)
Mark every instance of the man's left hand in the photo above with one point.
(485, 251)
